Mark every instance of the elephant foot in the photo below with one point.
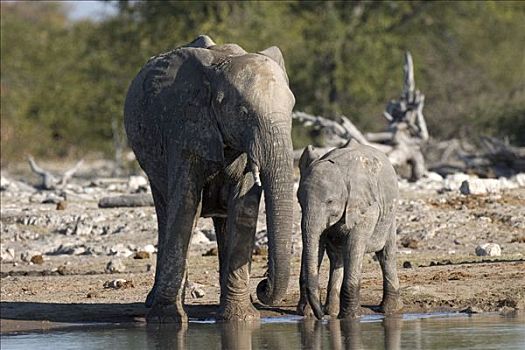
(349, 313)
(332, 309)
(391, 304)
(151, 297)
(304, 309)
(166, 313)
(238, 311)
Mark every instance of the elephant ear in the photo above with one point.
(197, 132)
(307, 158)
(200, 133)
(276, 55)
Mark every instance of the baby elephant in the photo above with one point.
(348, 200)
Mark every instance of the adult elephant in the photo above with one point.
(210, 124)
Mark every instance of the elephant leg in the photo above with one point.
(185, 185)
(160, 209)
(303, 307)
(334, 282)
(243, 209)
(185, 276)
(353, 263)
(220, 232)
(387, 259)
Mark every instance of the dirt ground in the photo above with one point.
(438, 268)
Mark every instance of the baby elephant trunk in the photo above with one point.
(311, 261)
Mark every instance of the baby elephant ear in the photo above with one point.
(275, 54)
(308, 157)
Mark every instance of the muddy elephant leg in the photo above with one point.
(353, 262)
(243, 209)
(160, 209)
(220, 232)
(185, 276)
(184, 195)
(334, 282)
(303, 307)
(387, 259)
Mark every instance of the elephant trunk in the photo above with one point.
(311, 253)
(274, 155)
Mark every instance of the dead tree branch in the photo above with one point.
(49, 181)
(407, 128)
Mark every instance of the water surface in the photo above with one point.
(411, 331)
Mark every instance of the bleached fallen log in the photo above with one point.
(501, 152)
(69, 173)
(339, 133)
(51, 181)
(379, 136)
(127, 200)
(398, 144)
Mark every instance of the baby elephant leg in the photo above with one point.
(303, 307)
(350, 301)
(353, 262)
(335, 280)
(387, 258)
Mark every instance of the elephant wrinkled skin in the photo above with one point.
(211, 127)
(348, 201)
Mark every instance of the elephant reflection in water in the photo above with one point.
(167, 336)
(347, 334)
(336, 334)
(237, 335)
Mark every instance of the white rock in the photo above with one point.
(480, 186)
(52, 198)
(210, 234)
(149, 248)
(199, 238)
(432, 176)
(116, 284)
(27, 255)
(120, 250)
(519, 179)
(507, 184)
(453, 181)
(7, 255)
(130, 156)
(4, 183)
(79, 251)
(82, 228)
(115, 266)
(488, 249)
(195, 289)
(137, 182)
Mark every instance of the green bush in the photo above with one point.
(63, 83)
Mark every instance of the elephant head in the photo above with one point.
(322, 195)
(253, 104)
